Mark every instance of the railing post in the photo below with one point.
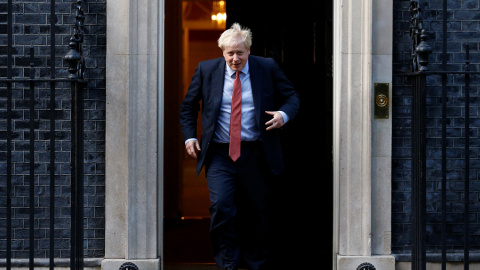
(76, 262)
(32, 163)
(419, 62)
(418, 172)
(53, 20)
(444, 137)
(466, 251)
(76, 69)
(9, 134)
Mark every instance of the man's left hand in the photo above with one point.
(276, 121)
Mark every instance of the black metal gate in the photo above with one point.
(420, 75)
(21, 83)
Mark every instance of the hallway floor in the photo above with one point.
(187, 241)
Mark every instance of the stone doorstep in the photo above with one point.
(190, 266)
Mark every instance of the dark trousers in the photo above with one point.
(239, 200)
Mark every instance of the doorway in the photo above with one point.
(192, 35)
(299, 37)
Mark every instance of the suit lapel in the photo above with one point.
(217, 86)
(256, 81)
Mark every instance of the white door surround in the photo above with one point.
(134, 134)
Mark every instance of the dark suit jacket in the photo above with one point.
(272, 91)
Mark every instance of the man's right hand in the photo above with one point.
(192, 148)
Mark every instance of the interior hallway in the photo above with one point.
(187, 238)
(303, 194)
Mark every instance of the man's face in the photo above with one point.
(236, 56)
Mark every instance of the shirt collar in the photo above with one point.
(244, 69)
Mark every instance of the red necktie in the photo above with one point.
(236, 119)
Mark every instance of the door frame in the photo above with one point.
(361, 144)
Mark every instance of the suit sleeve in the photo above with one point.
(191, 106)
(289, 101)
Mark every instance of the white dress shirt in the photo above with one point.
(250, 130)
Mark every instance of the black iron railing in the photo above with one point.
(419, 74)
(29, 84)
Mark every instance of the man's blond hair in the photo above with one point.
(234, 36)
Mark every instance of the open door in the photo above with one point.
(298, 35)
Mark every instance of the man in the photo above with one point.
(245, 100)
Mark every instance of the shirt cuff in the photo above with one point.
(285, 117)
(191, 139)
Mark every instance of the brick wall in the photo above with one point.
(463, 28)
(31, 26)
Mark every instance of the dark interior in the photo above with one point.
(299, 38)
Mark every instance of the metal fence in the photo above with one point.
(28, 82)
(420, 76)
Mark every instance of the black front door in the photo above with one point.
(298, 35)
